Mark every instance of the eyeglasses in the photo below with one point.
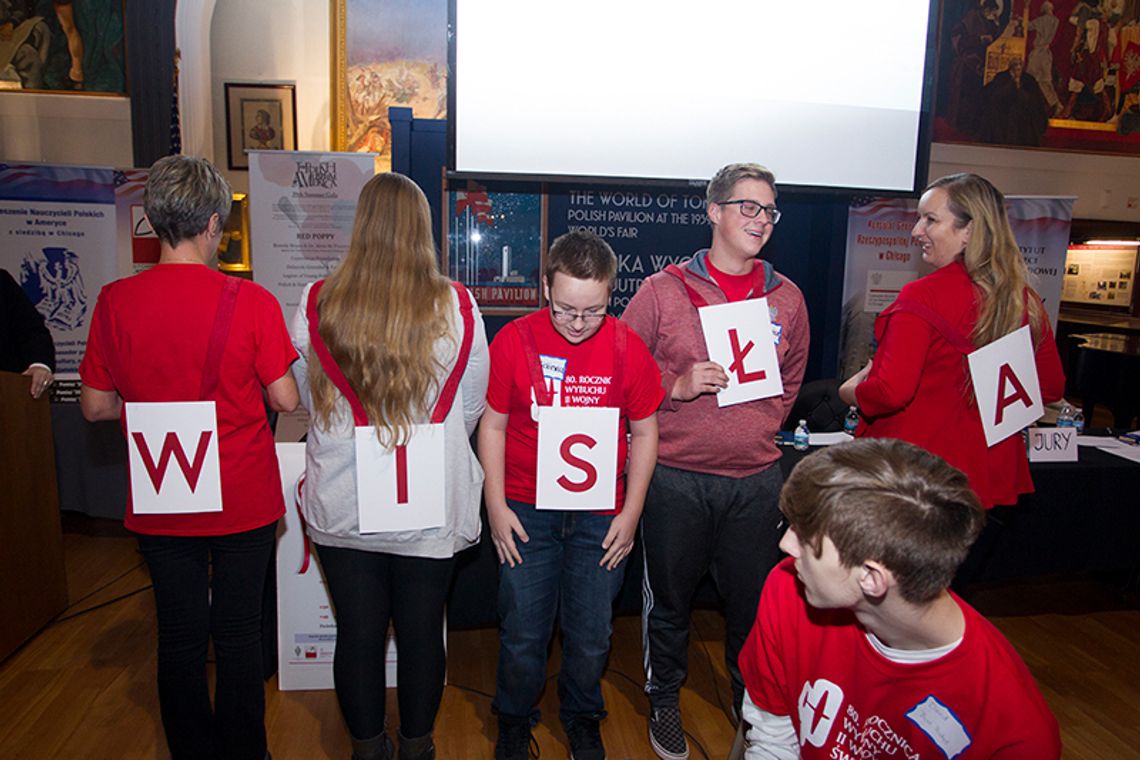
(570, 317)
(752, 209)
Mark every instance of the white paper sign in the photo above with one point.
(400, 489)
(1006, 386)
(172, 451)
(577, 457)
(1052, 444)
(883, 286)
(738, 337)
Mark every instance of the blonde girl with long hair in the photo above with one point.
(917, 387)
(379, 339)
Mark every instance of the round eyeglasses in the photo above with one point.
(752, 209)
(569, 317)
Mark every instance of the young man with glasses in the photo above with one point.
(569, 563)
(712, 502)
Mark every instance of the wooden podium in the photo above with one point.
(33, 585)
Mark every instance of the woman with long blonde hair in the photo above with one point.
(387, 344)
(918, 388)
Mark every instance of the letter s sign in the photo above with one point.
(569, 458)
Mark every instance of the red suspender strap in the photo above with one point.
(935, 320)
(328, 364)
(617, 383)
(447, 394)
(221, 330)
(533, 363)
(694, 297)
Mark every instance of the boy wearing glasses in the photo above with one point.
(712, 502)
(565, 562)
(859, 649)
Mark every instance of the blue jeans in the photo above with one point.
(559, 574)
(210, 587)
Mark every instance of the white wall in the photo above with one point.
(1107, 187)
(288, 43)
(66, 129)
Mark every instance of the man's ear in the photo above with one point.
(875, 579)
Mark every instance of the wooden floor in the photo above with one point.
(85, 686)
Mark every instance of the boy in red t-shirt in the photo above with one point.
(859, 648)
(565, 562)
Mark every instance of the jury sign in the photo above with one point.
(1052, 444)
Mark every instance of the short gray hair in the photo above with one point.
(720, 186)
(182, 194)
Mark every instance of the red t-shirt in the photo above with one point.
(846, 699)
(587, 376)
(736, 287)
(160, 322)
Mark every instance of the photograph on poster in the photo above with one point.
(259, 117)
(1059, 74)
(386, 53)
(493, 244)
(62, 47)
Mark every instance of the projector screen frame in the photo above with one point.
(922, 146)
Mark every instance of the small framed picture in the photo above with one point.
(233, 250)
(259, 117)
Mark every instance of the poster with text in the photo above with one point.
(648, 229)
(57, 227)
(139, 248)
(301, 209)
(882, 257)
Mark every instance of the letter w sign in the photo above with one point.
(1006, 387)
(173, 457)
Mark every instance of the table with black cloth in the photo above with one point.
(1083, 517)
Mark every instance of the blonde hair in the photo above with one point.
(382, 310)
(992, 258)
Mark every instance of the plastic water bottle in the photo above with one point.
(851, 421)
(1079, 422)
(1065, 416)
(801, 437)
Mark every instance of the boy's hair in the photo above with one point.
(889, 501)
(720, 186)
(583, 256)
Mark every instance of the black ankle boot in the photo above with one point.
(377, 748)
(420, 748)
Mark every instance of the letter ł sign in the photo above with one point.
(1006, 388)
(172, 454)
(577, 458)
(739, 338)
(402, 488)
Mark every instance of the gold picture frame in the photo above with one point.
(233, 250)
(393, 64)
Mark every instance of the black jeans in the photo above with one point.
(367, 590)
(696, 523)
(194, 605)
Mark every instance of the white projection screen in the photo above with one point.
(827, 93)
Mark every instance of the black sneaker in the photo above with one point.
(585, 739)
(666, 734)
(514, 738)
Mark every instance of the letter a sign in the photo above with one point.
(577, 458)
(402, 488)
(1008, 393)
(738, 337)
(172, 451)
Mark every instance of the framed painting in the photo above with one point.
(233, 250)
(259, 117)
(1060, 75)
(385, 53)
(493, 242)
(63, 47)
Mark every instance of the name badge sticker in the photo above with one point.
(553, 367)
(943, 727)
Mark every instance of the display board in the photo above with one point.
(1103, 275)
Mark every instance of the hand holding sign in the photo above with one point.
(702, 377)
(739, 337)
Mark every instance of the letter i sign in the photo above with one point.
(1006, 387)
(172, 452)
